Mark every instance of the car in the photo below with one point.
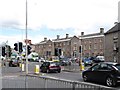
(65, 62)
(98, 59)
(103, 72)
(50, 66)
(87, 61)
(14, 63)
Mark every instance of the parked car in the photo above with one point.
(65, 62)
(50, 66)
(14, 63)
(103, 72)
(87, 61)
(98, 59)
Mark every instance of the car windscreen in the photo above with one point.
(117, 66)
(54, 64)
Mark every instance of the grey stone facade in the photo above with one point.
(112, 44)
(92, 44)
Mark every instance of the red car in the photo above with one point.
(50, 66)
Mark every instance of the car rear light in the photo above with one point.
(53, 67)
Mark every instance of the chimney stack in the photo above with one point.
(82, 33)
(101, 30)
(67, 35)
(58, 36)
(45, 39)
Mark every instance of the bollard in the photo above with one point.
(82, 67)
(20, 65)
(36, 69)
(23, 69)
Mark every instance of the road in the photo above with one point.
(13, 74)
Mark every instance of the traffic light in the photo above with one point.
(3, 51)
(28, 49)
(16, 47)
(80, 49)
(56, 51)
(9, 51)
(20, 47)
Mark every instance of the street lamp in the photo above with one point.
(26, 42)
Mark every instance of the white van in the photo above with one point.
(101, 58)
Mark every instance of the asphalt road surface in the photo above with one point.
(11, 77)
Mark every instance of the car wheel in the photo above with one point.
(110, 82)
(59, 71)
(10, 65)
(85, 78)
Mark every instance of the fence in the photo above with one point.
(47, 83)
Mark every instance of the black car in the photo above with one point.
(14, 63)
(50, 66)
(103, 72)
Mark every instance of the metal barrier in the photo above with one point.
(45, 82)
(72, 67)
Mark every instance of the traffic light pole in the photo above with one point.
(26, 43)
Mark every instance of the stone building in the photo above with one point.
(68, 46)
(62, 47)
(45, 48)
(112, 44)
(92, 44)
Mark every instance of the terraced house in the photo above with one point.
(92, 44)
(62, 47)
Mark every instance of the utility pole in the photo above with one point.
(26, 42)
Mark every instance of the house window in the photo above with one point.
(84, 47)
(90, 46)
(100, 46)
(100, 40)
(95, 46)
(67, 43)
(64, 43)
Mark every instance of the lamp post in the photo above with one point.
(26, 42)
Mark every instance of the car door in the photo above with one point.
(93, 74)
(102, 72)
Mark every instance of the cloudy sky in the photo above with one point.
(48, 18)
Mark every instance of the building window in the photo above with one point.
(84, 47)
(49, 45)
(68, 43)
(90, 41)
(64, 43)
(95, 46)
(90, 46)
(100, 46)
(94, 40)
(100, 40)
(60, 44)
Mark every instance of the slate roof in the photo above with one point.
(116, 28)
(94, 34)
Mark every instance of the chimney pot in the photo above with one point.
(101, 30)
(58, 36)
(45, 39)
(67, 35)
(82, 33)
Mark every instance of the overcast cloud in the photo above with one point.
(76, 15)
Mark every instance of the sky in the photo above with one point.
(49, 18)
